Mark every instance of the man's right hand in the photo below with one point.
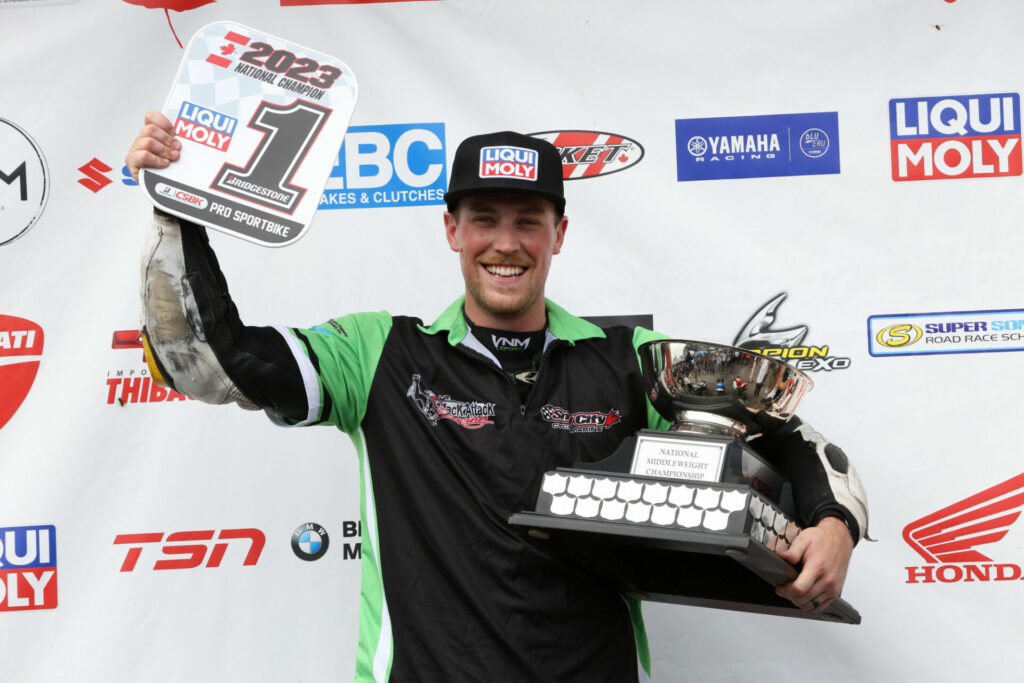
(155, 146)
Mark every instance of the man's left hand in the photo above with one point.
(824, 551)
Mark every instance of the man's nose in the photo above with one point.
(507, 239)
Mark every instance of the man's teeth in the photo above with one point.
(505, 271)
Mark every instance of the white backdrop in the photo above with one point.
(925, 431)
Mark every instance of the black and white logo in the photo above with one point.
(24, 182)
(310, 541)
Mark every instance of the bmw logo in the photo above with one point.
(310, 541)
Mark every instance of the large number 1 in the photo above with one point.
(288, 133)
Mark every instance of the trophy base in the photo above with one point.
(702, 543)
(681, 567)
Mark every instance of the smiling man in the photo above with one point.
(452, 425)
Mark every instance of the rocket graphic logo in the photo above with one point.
(21, 345)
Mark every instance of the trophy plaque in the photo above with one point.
(692, 515)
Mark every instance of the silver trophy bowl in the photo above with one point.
(719, 389)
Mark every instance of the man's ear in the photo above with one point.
(560, 228)
(449, 231)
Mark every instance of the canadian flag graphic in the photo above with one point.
(21, 345)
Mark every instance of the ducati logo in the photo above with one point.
(21, 346)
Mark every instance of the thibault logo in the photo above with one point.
(951, 540)
(468, 414)
(584, 421)
(759, 335)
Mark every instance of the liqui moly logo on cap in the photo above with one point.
(508, 162)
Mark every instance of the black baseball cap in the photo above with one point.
(506, 162)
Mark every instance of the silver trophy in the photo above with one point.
(692, 515)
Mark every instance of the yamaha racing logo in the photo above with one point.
(585, 421)
(467, 414)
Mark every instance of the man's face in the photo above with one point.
(505, 243)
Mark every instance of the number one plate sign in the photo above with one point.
(260, 122)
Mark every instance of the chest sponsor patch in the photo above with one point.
(436, 407)
(583, 421)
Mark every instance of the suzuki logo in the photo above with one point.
(94, 170)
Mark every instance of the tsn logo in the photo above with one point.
(190, 547)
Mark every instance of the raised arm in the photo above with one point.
(195, 340)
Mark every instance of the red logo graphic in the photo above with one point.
(952, 536)
(585, 421)
(194, 553)
(586, 153)
(18, 338)
(300, 3)
(168, 5)
(94, 179)
(227, 49)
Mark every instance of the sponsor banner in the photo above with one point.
(190, 549)
(759, 336)
(28, 568)
(588, 154)
(916, 334)
(387, 166)
(33, 3)
(21, 347)
(952, 540)
(96, 178)
(757, 146)
(24, 182)
(955, 136)
(300, 3)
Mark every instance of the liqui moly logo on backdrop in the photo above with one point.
(508, 162)
(955, 136)
(957, 540)
(28, 568)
